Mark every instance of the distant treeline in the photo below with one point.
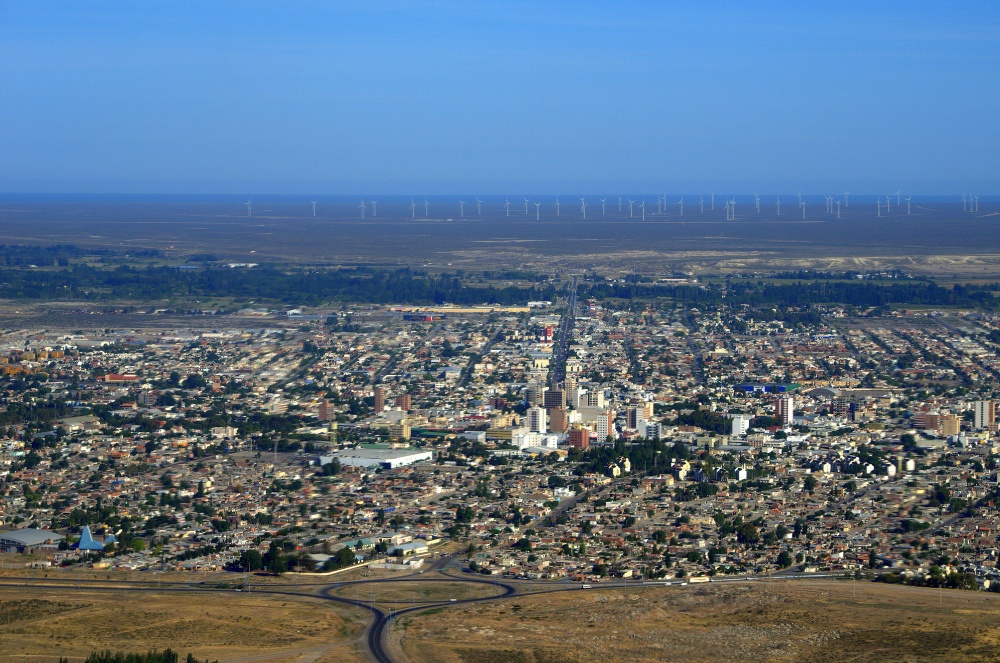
(166, 656)
(292, 286)
(60, 255)
(861, 294)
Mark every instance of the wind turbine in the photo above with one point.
(538, 207)
(838, 209)
(362, 207)
(619, 203)
(778, 203)
(800, 197)
(659, 203)
(908, 205)
(249, 205)
(557, 206)
(977, 202)
(479, 207)
(314, 207)
(602, 206)
(374, 208)
(713, 201)
(583, 207)
(897, 197)
(878, 207)
(643, 208)
(732, 208)
(681, 203)
(756, 199)
(526, 207)
(630, 201)
(888, 204)
(847, 201)
(803, 204)
(426, 208)
(461, 209)
(701, 203)
(413, 209)
(506, 206)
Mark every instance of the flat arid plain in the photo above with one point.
(937, 238)
(784, 620)
(821, 621)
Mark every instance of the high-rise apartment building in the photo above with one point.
(985, 414)
(537, 420)
(784, 409)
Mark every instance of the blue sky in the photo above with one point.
(497, 97)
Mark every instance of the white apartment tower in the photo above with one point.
(985, 413)
(537, 421)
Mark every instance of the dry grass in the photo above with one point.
(42, 625)
(807, 622)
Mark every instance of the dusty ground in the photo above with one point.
(818, 621)
(42, 625)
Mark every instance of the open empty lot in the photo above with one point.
(42, 625)
(786, 621)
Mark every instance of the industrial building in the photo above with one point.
(27, 540)
(385, 458)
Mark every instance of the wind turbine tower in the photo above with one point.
(602, 206)
(374, 208)
(619, 203)
(413, 209)
(778, 203)
(426, 209)
(314, 207)
(583, 207)
(362, 207)
(479, 207)
(526, 207)
(756, 199)
(557, 206)
(506, 206)
(249, 204)
(681, 203)
(461, 209)
(643, 208)
(908, 206)
(713, 201)
(630, 201)
(847, 201)
(538, 213)
(701, 203)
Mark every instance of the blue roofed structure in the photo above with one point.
(87, 541)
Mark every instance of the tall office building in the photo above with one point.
(403, 402)
(379, 399)
(554, 398)
(985, 413)
(785, 409)
(558, 422)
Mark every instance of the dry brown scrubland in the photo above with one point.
(42, 625)
(788, 621)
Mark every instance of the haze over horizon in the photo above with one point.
(443, 98)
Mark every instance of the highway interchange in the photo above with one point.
(442, 569)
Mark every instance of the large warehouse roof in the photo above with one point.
(29, 537)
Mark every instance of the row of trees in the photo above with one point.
(266, 283)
